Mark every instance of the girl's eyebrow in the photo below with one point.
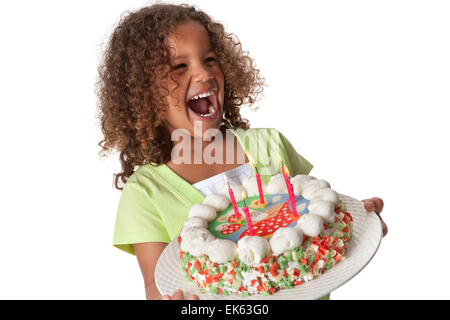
(210, 50)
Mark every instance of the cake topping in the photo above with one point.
(325, 194)
(300, 181)
(195, 222)
(322, 208)
(203, 211)
(312, 186)
(251, 186)
(237, 191)
(285, 239)
(221, 250)
(195, 240)
(310, 224)
(277, 184)
(217, 201)
(252, 249)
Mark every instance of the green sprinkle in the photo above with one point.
(225, 292)
(282, 264)
(266, 267)
(311, 260)
(244, 294)
(223, 268)
(239, 275)
(213, 290)
(265, 293)
(302, 270)
(202, 290)
(290, 258)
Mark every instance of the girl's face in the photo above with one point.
(198, 94)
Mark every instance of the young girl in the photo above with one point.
(171, 69)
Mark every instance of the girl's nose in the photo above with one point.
(202, 74)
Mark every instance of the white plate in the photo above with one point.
(366, 238)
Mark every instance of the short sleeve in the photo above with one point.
(297, 164)
(137, 220)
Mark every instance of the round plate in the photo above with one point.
(366, 238)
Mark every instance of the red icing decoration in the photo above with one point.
(269, 225)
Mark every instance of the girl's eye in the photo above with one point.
(211, 59)
(179, 66)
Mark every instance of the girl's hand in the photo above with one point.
(376, 204)
(178, 295)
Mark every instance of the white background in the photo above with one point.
(361, 88)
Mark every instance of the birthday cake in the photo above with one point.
(258, 238)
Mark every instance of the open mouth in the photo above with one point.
(205, 105)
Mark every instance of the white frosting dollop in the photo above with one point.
(203, 211)
(195, 240)
(325, 194)
(251, 186)
(310, 224)
(237, 191)
(221, 250)
(252, 249)
(277, 184)
(285, 239)
(313, 186)
(322, 208)
(217, 201)
(300, 181)
(195, 222)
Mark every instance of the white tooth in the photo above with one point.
(211, 109)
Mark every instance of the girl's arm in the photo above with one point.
(147, 254)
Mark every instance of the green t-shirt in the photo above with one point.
(155, 201)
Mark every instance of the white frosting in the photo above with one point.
(277, 184)
(252, 249)
(285, 239)
(300, 181)
(325, 194)
(251, 186)
(313, 186)
(203, 211)
(322, 208)
(221, 250)
(237, 191)
(195, 240)
(195, 222)
(310, 224)
(217, 201)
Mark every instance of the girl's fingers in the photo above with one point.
(178, 295)
(374, 204)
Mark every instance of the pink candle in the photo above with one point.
(247, 215)
(290, 189)
(233, 200)
(260, 190)
(249, 221)
(292, 199)
(286, 179)
(258, 179)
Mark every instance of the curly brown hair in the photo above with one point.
(131, 74)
